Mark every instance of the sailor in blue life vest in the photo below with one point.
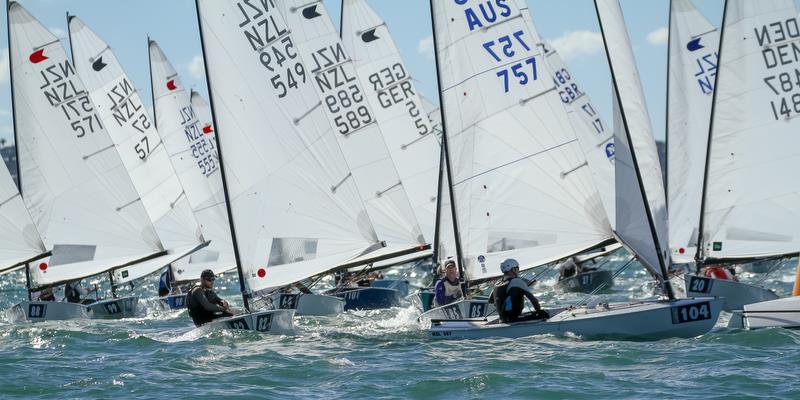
(448, 289)
(165, 283)
(510, 293)
(203, 303)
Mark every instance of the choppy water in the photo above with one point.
(385, 354)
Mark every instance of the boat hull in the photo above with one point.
(465, 308)
(587, 282)
(173, 302)
(270, 321)
(651, 320)
(780, 313)
(122, 307)
(369, 298)
(736, 294)
(40, 311)
(310, 304)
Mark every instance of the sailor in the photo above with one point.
(203, 303)
(510, 293)
(165, 283)
(448, 289)
(724, 272)
(75, 293)
(44, 295)
(568, 269)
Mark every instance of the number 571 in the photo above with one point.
(520, 73)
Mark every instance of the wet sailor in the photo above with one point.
(448, 289)
(75, 293)
(203, 303)
(510, 293)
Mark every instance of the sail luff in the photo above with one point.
(240, 273)
(622, 65)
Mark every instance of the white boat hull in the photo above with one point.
(646, 320)
(736, 294)
(270, 321)
(782, 313)
(310, 304)
(466, 308)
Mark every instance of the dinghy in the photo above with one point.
(184, 123)
(783, 313)
(747, 213)
(640, 209)
(73, 182)
(135, 138)
(296, 210)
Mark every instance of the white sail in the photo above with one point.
(74, 184)
(520, 188)
(641, 214)
(595, 137)
(133, 132)
(397, 107)
(295, 213)
(183, 120)
(19, 239)
(752, 200)
(693, 47)
(343, 100)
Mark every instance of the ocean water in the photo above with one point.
(385, 354)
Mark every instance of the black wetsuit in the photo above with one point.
(509, 299)
(204, 305)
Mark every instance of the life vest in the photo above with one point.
(508, 302)
(719, 273)
(452, 289)
(72, 295)
(198, 314)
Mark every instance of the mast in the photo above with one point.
(14, 124)
(152, 88)
(698, 257)
(667, 286)
(69, 39)
(436, 226)
(666, 115)
(446, 153)
(221, 166)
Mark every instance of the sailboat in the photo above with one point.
(749, 213)
(184, 123)
(295, 212)
(518, 179)
(73, 183)
(135, 138)
(597, 142)
(640, 215)
(693, 60)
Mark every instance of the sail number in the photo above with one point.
(60, 90)
(200, 144)
(238, 324)
(263, 322)
(506, 47)
(699, 284)
(783, 85)
(113, 308)
(691, 313)
(776, 41)
(393, 86)
(37, 310)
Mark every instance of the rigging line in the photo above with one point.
(47, 44)
(775, 266)
(593, 293)
(92, 59)
(524, 101)
(125, 99)
(704, 33)
(517, 160)
(78, 96)
(487, 27)
(260, 50)
(404, 146)
(294, 9)
(564, 174)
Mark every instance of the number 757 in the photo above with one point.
(518, 71)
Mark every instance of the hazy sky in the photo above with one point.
(570, 25)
